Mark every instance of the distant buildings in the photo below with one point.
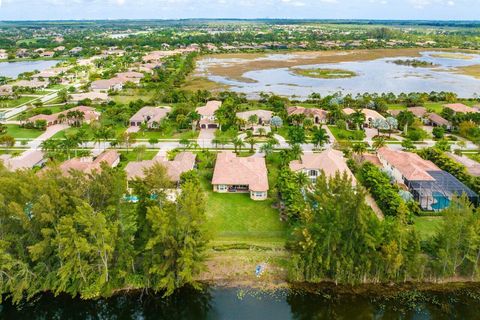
(460, 108)
(93, 96)
(234, 174)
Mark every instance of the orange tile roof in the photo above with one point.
(329, 161)
(233, 170)
(460, 108)
(410, 165)
(183, 162)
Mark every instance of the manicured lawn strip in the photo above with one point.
(168, 134)
(343, 134)
(61, 135)
(427, 226)
(18, 132)
(126, 157)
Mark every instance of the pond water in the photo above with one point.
(13, 69)
(232, 304)
(380, 76)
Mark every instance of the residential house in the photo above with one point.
(208, 120)
(329, 161)
(319, 116)
(32, 84)
(47, 54)
(472, 166)
(89, 115)
(89, 165)
(6, 90)
(370, 115)
(3, 54)
(183, 162)
(263, 116)
(151, 116)
(432, 187)
(234, 174)
(59, 48)
(76, 50)
(92, 95)
(419, 112)
(131, 76)
(113, 84)
(49, 73)
(459, 108)
(435, 120)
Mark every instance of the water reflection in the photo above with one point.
(13, 69)
(231, 303)
(380, 76)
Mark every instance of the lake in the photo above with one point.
(232, 304)
(13, 69)
(374, 76)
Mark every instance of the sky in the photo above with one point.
(178, 9)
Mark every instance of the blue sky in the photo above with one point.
(174, 9)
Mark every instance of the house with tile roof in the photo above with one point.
(89, 114)
(436, 120)
(370, 115)
(183, 162)
(234, 174)
(460, 108)
(432, 187)
(330, 162)
(319, 116)
(208, 120)
(89, 165)
(151, 116)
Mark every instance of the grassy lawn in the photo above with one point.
(237, 218)
(12, 103)
(343, 134)
(427, 226)
(125, 157)
(61, 135)
(18, 132)
(128, 95)
(168, 134)
(396, 107)
(437, 107)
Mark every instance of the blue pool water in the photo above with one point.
(441, 202)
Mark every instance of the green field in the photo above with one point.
(343, 134)
(12, 103)
(61, 135)
(130, 95)
(427, 226)
(322, 73)
(168, 134)
(18, 132)
(237, 217)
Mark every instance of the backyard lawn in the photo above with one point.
(238, 218)
(18, 132)
(427, 226)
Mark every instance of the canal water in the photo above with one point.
(13, 69)
(232, 303)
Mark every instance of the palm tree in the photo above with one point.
(358, 118)
(302, 179)
(320, 137)
(238, 144)
(251, 141)
(267, 149)
(379, 143)
(296, 151)
(262, 131)
(359, 149)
